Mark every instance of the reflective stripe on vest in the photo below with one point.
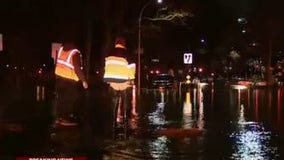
(64, 65)
(116, 69)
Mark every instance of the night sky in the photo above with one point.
(30, 26)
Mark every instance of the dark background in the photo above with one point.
(29, 27)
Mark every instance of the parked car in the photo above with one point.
(163, 80)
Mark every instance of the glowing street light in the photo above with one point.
(139, 45)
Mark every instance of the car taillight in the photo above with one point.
(39, 71)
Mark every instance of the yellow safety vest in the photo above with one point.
(118, 70)
(64, 64)
(131, 71)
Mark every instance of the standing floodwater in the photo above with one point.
(212, 122)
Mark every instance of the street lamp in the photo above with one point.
(139, 45)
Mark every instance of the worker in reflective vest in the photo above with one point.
(70, 80)
(119, 74)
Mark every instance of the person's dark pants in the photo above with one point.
(124, 102)
(125, 99)
(68, 98)
(121, 119)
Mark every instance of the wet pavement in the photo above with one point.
(214, 122)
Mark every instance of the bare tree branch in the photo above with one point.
(171, 16)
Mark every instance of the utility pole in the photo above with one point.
(139, 45)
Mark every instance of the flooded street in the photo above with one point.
(213, 123)
(216, 121)
(141, 80)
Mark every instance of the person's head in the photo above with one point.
(120, 42)
(119, 47)
(70, 38)
(70, 42)
(69, 45)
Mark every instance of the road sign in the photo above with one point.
(54, 49)
(187, 58)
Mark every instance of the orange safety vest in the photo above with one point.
(64, 64)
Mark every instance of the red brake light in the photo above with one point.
(40, 71)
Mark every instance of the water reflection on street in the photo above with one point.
(252, 138)
(244, 123)
(213, 121)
